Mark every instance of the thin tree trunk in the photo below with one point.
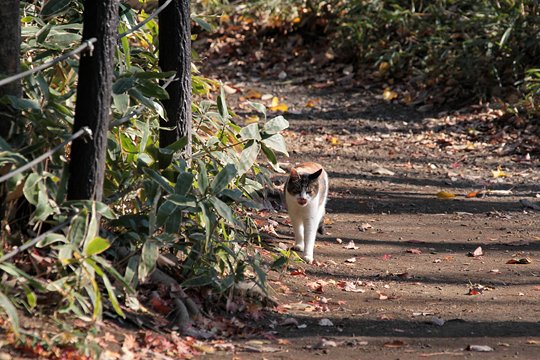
(94, 91)
(175, 55)
(10, 48)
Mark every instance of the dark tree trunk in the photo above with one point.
(10, 48)
(175, 55)
(94, 91)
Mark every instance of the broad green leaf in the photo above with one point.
(259, 107)
(250, 132)
(248, 157)
(182, 201)
(159, 179)
(222, 209)
(54, 7)
(184, 182)
(277, 143)
(23, 104)
(51, 239)
(275, 125)
(200, 21)
(111, 270)
(77, 229)
(222, 179)
(30, 189)
(122, 85)
(11, 312)
(151, 89)
(176, 146)
(96, 246)
(149, 256)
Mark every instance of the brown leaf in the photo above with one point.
(394, 344)
(519, 261)
(414, 251)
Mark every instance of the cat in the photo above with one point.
(306, 192)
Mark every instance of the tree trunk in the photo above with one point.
(175, 55)
(94, 92)
(10, 48)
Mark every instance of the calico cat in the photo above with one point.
(306, 191)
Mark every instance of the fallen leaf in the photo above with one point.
(253, 94)
(351, 260)
(389, 94)
(382, 171)
(339, 241)
(289, 322)
(312, 102)
(476, 253)
(498, 173)
(479, 348)
(386, 257)
(364, 227)
(323, 344)
(445, 195)
(414, 251)
(394, 344)
(519, 261)
(382, 296)
(277, 106)
(473, 194)
(350, 286)
(351, 246)
(325, 322)
(297, 272)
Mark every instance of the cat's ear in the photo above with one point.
(294, 173)
(315, 175)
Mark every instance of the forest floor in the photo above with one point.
(433, 241)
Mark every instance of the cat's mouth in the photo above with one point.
(302, 202)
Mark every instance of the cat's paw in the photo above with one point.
(308, 259)
(298, 247)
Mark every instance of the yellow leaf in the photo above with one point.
(252, 119)
(296, 20)
(384, 67)
(334, 140)
(312, 102)
(224, 18)
(253, 94)
(445, 195)
(277, 106)
(389, 94)
(498, 173)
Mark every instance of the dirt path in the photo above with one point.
(407, 289)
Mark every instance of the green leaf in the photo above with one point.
(277, 143)
(275, 125)
(23, 104)
(154, 75)
(159, 179)
(202, 177)
(206, 26)
(222, 105)
(259, 107)
(176, 146)
(51, 239)
(149, 256)
(151, 89)
(222, 179)
(122, 85)
(222, 209)
(184, 182)
(248, 157)
(77, 230)
(112, 296)
(198, 281)
(250, 132)
(96, 246)
(11, 312)
(270, 155)
(30, 189)
(54, 7)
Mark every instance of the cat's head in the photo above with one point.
(304, 187)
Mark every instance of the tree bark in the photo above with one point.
(175, 55)
(10, 48)
(92, 109)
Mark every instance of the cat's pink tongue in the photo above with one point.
(302, 201)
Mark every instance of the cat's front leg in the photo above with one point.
(298, 228)
(310, 233)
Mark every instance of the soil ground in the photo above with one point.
(415, 288)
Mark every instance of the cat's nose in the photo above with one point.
(302, 201)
